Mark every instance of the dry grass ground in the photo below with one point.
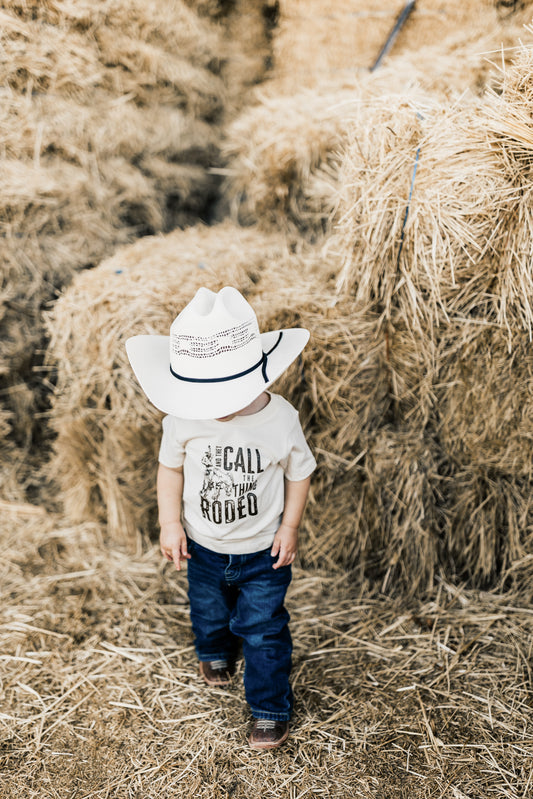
(100, 696)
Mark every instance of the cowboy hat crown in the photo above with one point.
(215, 361)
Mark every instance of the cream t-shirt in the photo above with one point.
(233, 492)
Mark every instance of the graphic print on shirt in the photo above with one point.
(228, 492)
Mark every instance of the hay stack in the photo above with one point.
(85, 167)
(283, 152)
(159, 53)
(443, 47)
(388, 492)
(450, 288)
(375, 503)
(110, 118)
(107, 432)
(409, 374)
(432, 222)
(397, 310)
(282, 157)
(317, 39)
(422, 204)
(485, 409)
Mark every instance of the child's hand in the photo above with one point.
(173, 543)
(285, 545)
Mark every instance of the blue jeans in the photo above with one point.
(236, 597)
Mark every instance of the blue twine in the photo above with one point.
(402, 234)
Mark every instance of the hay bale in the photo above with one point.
(455, 49)
(283, 153)
(247, 27)
(443, 48)
(159, 53)
(315, 39)
(491, 522)
(424, 450)
(507, 119)
(120, 151)
(483, 416)
(402, 513)
(282, 159)
(420, 200)
(374, 397)
(59, 217)
(110, 126)
(485, 405)
(109, 130)
(480, 29)
(374, 490)
(107, 432)
(435, 215)
(453, 280)
(109, 121)
(434, 212)
(367, 392)
(375, 504)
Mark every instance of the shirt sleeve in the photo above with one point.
(300, 462)
(172, 448)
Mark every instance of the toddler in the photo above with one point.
(232, 483)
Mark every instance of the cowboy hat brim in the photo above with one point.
(190, 399)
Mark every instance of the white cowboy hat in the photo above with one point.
(215, 361)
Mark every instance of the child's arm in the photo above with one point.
(172, 538)
(286, 539)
